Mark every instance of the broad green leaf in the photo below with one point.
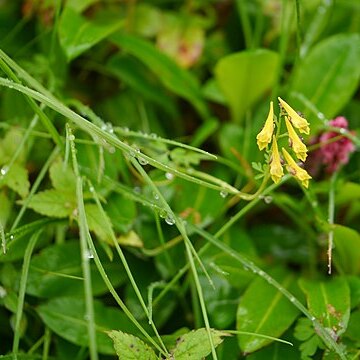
(264, 310)
(176, 79)
(347, 250)
(57, 271)
(329, 302)
(130, 347)
(244, 77)
(53, 203)
(353, 329)
(78, 34)
(17, 179)
(354, 285)
(66, 317)
(330, 74)
(195, 345)
(62, 178)
(10, 144)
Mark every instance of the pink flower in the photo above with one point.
(334, 153)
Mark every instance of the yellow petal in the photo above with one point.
(264, 136)
(295, 170)
(297, 145)
(276, 169)
(298, 121)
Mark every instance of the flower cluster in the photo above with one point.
(266, 136)
(334, 148)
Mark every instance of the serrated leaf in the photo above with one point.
(195, 345)
(77, 34)
(244, 77)
(329, 302)
(17, 179)
(53, 203)
(130, 347)
(66, 317)
(98, 223)
(62, 178)
(264, 310)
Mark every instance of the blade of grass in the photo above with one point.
(22, 289)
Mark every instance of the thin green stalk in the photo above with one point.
(35, 187)
(245, 22)
(190, 251)
(331, 216)
(110, 231)
(85, 264)
(117, 298)
(22, 288)
(3, 238)
(47, 342)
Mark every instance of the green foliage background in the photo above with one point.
(127, 129)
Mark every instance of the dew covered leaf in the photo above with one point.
(329, 302)
(264, 310)
(130, 347)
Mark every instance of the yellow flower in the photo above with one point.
(276, 170)
(295, 170)
(296, 143)
(298, 121)
(264, 136)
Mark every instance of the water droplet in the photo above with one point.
(126, 129)
(111, 150)
(313, 318)
(155, 195)
(142, 160)
(153, 135)
(292, 299)
(223, 193)
(261, 273)
(131, 154)
(89, 254)
(268, 199)
(321, 116)
(12, 237)
(4, 170)
(71, 137)
(169, 176)
(3, 292)
(169, 219)
(103, 127)
(342, 131)
(91, 189)
(137, 189)
(110, 128)
(163, 213)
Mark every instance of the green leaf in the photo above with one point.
(62, 178)
(130, 347)
(17, 180)
(176, 79)
(264, 310)
(5, 208)
(53, 203)
(57, 271)
(66, 316)
(195, 345)
(347, 250)
(244, 77)
(353, 329)
(78, 34)
(330, 74)
(97, 222)
(329, 302)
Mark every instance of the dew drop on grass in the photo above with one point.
(169, 219)
(155, 195)
(3, 292)
(268, 199)
(71, 137)
(292, 299)
(153, 135)
(89, 254)
(11, 237)
(111, 150)
(142, 161)
(223, 193)
(91, 189)
(169, 176)
(4, 170)
(137, 189)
